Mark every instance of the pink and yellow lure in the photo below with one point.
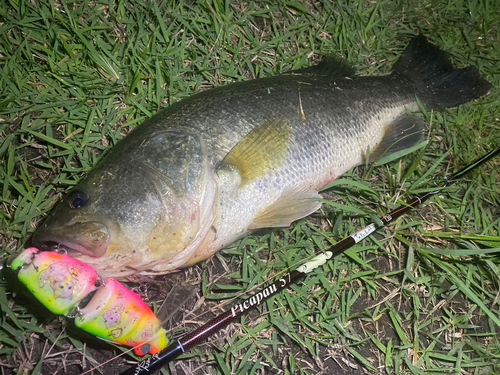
(114, 313)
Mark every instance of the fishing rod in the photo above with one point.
(198, 336)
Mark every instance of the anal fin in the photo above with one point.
(404, 132)
(293, 204)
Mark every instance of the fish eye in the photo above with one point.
(78, 199)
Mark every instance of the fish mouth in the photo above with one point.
(88, 238)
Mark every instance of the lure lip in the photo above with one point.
(8, 261)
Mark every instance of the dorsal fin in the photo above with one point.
(330, 66)
(261, 151)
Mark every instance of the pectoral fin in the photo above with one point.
(261, 151)
(294, 204)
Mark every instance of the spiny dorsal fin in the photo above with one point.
(404, 132)
(260, 151)
(293, 204)
(330, 66)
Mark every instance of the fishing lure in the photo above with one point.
(114, 313)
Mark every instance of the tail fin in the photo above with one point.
(439, 85)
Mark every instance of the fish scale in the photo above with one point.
(209, 169)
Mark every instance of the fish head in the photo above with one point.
(137, 210)
(77, 226)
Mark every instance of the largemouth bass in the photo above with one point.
(207, 170)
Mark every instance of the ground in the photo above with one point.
(421, 296)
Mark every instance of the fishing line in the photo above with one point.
(199, 335)
(222, 304)
(418, 200)
(107, 309)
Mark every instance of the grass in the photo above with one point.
(419, 297)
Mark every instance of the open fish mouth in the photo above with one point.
(88, 238)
